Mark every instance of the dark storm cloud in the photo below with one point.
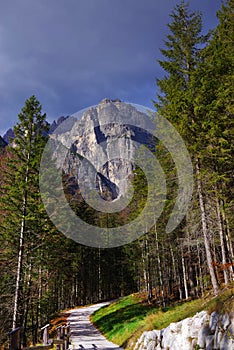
(71, 54)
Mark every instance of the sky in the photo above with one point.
(73, 53)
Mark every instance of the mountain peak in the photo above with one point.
(107, 136)
(8, 136)
(108, 100)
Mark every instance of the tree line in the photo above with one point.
(43, 272)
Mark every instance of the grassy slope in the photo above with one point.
(125, 320)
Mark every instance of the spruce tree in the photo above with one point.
(177, 93)
(21, 196)
(214, 105)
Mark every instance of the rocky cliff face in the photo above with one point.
(108, 146)
(203, 331)
(100, 136)
(107, 136)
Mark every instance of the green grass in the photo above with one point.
(121, 319)
(125, 320)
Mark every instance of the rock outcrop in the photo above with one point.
(203, 331)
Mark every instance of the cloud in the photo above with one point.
(71, 54)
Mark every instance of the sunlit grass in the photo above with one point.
(125, 320)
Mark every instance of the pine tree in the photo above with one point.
(21, 197)
(178, 91)
(214, 105)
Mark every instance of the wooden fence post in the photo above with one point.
(58, 337)
(45, 330)
(65, 337)
(15, 339)
(62, 341)
(68, 335)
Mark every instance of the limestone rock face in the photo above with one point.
(108, 145)
(203, 331)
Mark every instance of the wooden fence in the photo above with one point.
(61, 340)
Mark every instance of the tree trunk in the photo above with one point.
(200, 269)
(145, 278)
(20, 264)
(228, 240)
(21, 245)
(184, 273)
(149, 279)
(175, 274)
(27, 303)
(159, 266)
(99, 275)
(221, 235)
(190, 265)
(214, 281)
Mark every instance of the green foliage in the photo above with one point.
(182, 55)
(196, 95)
(214, 101)
(22, 228)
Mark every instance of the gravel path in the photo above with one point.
(83, 333)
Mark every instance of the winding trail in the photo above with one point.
(83, 333)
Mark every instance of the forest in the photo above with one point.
(43, 272)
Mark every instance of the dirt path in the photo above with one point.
(83, 333)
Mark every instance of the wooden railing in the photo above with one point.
(61, 340)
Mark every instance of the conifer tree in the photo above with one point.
(177, 94)
(21, 196)
(214, 105)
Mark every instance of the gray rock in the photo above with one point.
(210, 342)
(214, 319)
(210, 332)
(109, 147)
(227, 342)
(203, 333)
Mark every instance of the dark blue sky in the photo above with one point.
(73, 53)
